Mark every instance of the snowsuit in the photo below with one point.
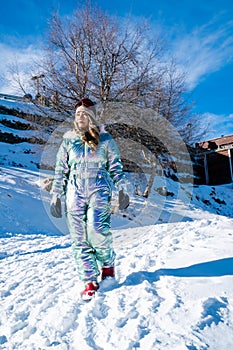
(86, 178)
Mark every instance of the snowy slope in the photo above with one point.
(173, 289)
(174, 270)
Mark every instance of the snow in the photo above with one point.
(174, 269)
(29, 108)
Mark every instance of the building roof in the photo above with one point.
(223, 142)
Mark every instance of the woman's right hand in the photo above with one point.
(55, 206)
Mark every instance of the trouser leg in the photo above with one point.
(98, 227)
(84, 253)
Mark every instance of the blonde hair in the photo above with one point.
(92, 135)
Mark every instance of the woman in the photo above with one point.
(88, 166)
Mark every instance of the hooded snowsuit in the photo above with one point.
(86, 178)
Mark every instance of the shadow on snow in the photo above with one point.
(4, 255)
(216, 268)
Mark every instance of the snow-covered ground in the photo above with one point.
(173, 285)
(174, 269)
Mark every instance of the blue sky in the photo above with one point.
(199, 33)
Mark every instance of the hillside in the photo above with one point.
(29, 139)
(24, 131)
(174, 266)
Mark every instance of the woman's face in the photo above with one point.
(82, 120)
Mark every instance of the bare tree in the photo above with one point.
(96, 55)
(93, 54)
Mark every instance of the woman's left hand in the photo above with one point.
(123, 200)
(124, 194)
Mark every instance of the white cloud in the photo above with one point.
(217, 124)
(15, 59)
(205, 50)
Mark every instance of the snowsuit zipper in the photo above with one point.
(86, 170)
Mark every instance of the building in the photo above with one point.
(214, 158)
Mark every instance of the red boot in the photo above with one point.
(89, 291)
(107, 272)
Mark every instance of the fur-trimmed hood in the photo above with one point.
(72, 133)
